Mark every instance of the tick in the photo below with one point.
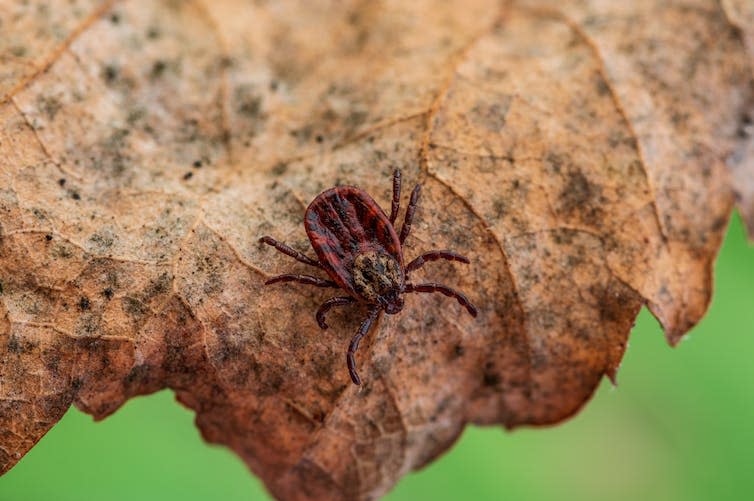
(357, 245)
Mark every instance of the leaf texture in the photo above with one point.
(585, 155)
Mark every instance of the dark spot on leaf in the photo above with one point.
(581, 197)
(76, 384)
(157, 286)
(134, 307)
(103, 239)
(280, 168)
(62, 251)
(51, 359)
(18, 50)
(679, 118)
(226, 62)
(110, 73)
(49, 105)
(153, 33)
(48, 237)
(719, 223)
(302, 134)
(84, 303)
(491, 379)
(138, 376)
(108, 293)
(554, 161)
(188, 175)
(158, 68)
(250, 106)
(499, 207)
(491, 116)
(601, 86)
(13, 345)
(355, 119)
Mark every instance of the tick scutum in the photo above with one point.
(376, 275)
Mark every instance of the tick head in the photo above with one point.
(392, 302)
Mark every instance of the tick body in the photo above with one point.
(357, 245)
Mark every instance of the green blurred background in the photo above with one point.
(680, 426)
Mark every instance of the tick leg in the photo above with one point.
(444, 289)
(304, 279)
(434, 256)
(327, 305)
(412, 203)
(355, 344)
(396, 196)
(290, 251)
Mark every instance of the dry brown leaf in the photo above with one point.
(741, 15)
(576, 151)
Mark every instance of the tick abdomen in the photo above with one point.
(375, 274)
